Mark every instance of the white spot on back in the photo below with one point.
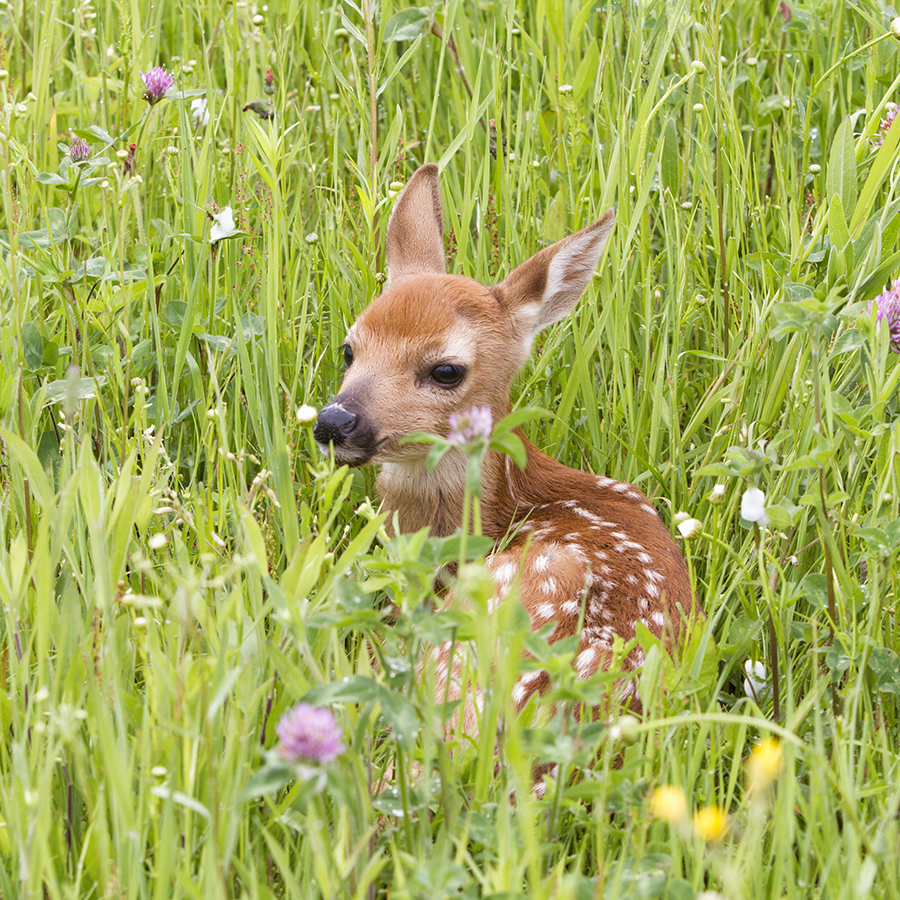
(505, 573)
(585, 661)
(546, 611)
(548, 586)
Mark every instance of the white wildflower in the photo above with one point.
(223, 225)
(753, 506)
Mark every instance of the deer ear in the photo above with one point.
(415, 232)
(546, 288)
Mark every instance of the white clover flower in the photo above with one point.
(689, 528)
(895, 27)
(698, 66)
(157, 541)
(752, 62)
(814, 169)
(626, 730)
(223, 225)
(716, 495)
(312, 238)
(753, 506)
(306, 415)
(756, 678)
(680, 517)
(698, 107)
(159, 771)
(199, 111)
(565, 89)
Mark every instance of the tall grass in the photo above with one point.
(180, 566)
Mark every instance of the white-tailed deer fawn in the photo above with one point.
(583, 548)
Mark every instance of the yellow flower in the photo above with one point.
(669, 804)
(710, 823)
(763, 764)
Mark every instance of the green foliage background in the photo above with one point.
(180, 566)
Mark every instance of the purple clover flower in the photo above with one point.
(887, 307)
(157, 81)
(78, 150)
(466, 427)
(890, 113)
(309, 734)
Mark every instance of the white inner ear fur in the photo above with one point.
(568, 274)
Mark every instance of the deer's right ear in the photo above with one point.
(415, 232)
(546, 288)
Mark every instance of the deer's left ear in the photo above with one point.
(546, 288)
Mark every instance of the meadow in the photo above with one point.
(180, 258)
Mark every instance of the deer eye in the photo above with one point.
(348, 355)
(447, 374)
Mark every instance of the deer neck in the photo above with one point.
(434, 500)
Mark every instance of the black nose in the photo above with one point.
(334, 424)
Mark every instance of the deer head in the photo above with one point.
(433, 344)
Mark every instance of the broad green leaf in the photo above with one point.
(885, 664)
(669, 163)
(587, 71)
(268, 779)
(840, 177)
(837, 224)
(408, 24)
(49, 178)
(76, 390)
(90, 268)
(32, 346)
(555, 226)
(28, 460)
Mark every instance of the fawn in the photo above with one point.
(583, 548)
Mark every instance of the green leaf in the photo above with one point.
(49, 178)
(76, 390)
(587, 71)
(398, 710)
(408, 24)
(669, 163)
(885, 665)
(837, 224)
(32, 347)
(252, 325)
(90, 268)
(181, 799)
(848, 342)
(679, 889)
(555, 224)
(268, 779)
(512, 446)
(840, 177)
(175, 312)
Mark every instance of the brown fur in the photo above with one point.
(597, 552)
